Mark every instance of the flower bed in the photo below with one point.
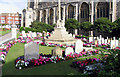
(87, 66)
(43, 59)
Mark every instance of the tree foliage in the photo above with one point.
(40, 26)
(104, 25)
(72, 24)
(86, 26)
(21, 28)
(117, 28)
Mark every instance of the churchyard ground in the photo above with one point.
(61, 68)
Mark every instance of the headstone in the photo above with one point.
(76, 32)
(40, 34)
(70, 34)
(97, 38)
(96, 42)
(30, 32)
(28, 35)
(14, 31)
(78, 46)
(100, 37)
(91, 33)
(24, 35)
(116, 43)
(90, 39)
(106, 41)
(34, 34)
(99, 41)
(113, 38)
(119, 42)
(103, 41)
(94, 38)
(57, 51)
(68, 51)
(112, 44)
(23, 32)
(73, 36)
(107, 38)
(31, 51)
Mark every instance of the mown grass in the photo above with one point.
(4, 32)
(61, 68)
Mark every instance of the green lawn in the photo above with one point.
(99, 48)
(61, 68)
(4, 32)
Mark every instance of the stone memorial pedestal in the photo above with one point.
(60, 35)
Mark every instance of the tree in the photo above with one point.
(117, 22)
(40, 26)
(86, 26)
(72, 24)
(104, 25)
(21, 28)
(116, 30)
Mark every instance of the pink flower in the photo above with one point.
(40, 62)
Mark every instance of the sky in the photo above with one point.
(12, 6)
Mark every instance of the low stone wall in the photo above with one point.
(6, 41)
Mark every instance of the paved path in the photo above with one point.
(5, 37)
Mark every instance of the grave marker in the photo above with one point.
(78, 46)
(31, 50)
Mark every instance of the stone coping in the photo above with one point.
(5, 41)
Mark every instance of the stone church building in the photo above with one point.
(81, 10)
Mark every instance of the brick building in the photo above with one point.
(10, 18)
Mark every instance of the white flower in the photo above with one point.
(16, 65)
(20, 68)
(22, 61)
(85, 72)
(26, 64)
(54, 61)
(44, 57)
(60, 56)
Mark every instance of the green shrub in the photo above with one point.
(86, 26)
(72, 24)
(40, 26)
(27, 29)
(21, 29)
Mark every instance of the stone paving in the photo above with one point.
(5, 37)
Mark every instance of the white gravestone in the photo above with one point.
(112, 44)
(106, 41)
(31, 51)
(107, 38)
(68, 51)
(97, 38)
(23, 32)
(116, 43)
(34, 34)
(73, 36)
(40, 34)
(99, 41)
(103, 41)
(28, 35)
(24, 35)
(100, 37)
(90, 39)
(113, 38)
(14, 31)
(78, 46)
